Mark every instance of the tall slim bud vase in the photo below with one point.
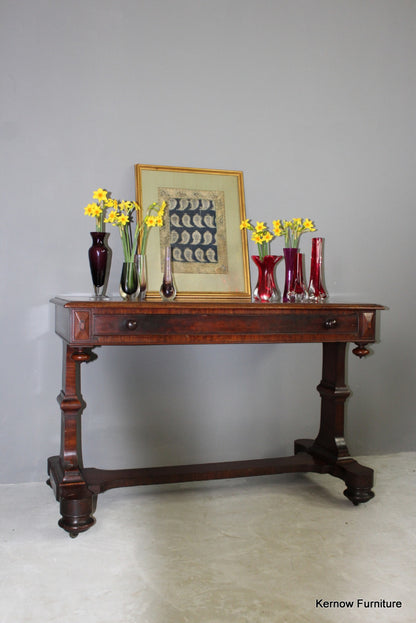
(316, 290)
(167, 289)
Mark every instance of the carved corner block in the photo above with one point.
(81, 323)
(367, 325)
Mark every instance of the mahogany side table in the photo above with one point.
(84, 324)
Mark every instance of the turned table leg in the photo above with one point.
(330, 445)
(77, 502)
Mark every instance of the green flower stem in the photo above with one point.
(144, 240)
(125, 244)
(131, 276)
(99, 220)
(263, 249)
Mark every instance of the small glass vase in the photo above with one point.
(266, 290)
(141, 266)
(301, 291)
(129, 282)
(167, 289)
(316, 290)
(99, 256)
(291, 271)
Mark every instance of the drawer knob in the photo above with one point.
(131, 324)
(330, 324)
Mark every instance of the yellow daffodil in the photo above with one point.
(97, 210)
(100, 194)
(111, 218)
(308, 224)
(261, 235)
(292, 231)
(150, 221)
(89, 209)
(123, 219)
(277, 228)
(122, 215)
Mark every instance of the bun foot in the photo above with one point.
(77, 515)
(359, 495)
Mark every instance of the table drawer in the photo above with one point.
(282, 323)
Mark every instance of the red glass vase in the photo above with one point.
(99, 256)
(316, 290)
(266, 290)
(301, 291)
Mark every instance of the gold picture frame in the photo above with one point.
(202, 225)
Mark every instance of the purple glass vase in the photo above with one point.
(266, 290)
(291, 271)
(99, 257)
(316, 290)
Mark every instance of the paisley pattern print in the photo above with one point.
(193, 230)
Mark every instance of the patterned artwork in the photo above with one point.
(195, 229)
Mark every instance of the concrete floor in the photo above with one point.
(259, 550)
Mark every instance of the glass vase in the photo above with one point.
(266, 290)
(141, 267)
(167, 289)
(316, 290)
(291, 271)
(301, 291)
(99, 256)
(129, 282)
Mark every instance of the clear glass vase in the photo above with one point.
(141, 265)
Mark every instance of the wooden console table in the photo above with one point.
(84, 324)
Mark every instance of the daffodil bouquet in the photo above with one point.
(292, 230)
(262, 236)
(124, 214)
(97, 210)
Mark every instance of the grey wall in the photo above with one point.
(314, 100)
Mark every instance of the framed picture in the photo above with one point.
(204, 209)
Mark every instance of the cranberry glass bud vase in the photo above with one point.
(291, 271)
(99, 256)
(301, 292)
(266, 290)
(316, 290)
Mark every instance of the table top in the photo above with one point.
(88, 302)
(81, 321)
